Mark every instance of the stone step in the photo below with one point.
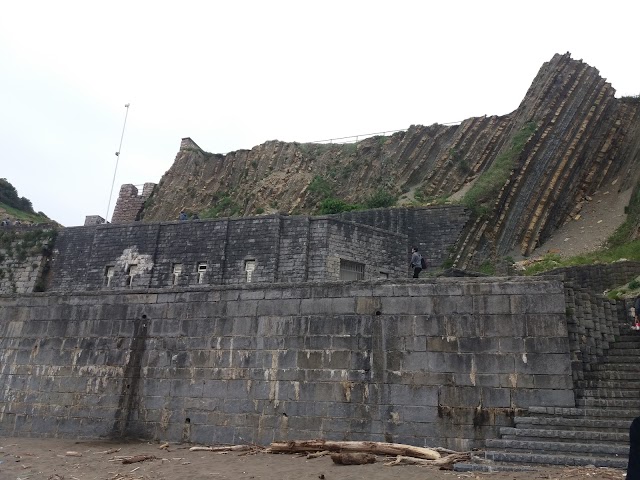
(588, 412)
(490, 467)
(613, 359)
(611, 375)
(579, 423)
(606, 393)
(622, 345)
(617, 350)
(583, 436)
(538, 446)
(545, 459)
(617, 367)
(629, 336)
(632, 385)
(615, 403)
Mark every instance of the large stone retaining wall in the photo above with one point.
(438, 362)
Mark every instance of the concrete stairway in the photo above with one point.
(596, 432)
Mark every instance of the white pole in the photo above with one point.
(106, 218)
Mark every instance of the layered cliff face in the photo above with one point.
(523, 174)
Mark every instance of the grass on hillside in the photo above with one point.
(486, 188)
(628, 251)
(14, 213)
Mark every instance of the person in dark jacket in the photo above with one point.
(633, 467)
(416, 262)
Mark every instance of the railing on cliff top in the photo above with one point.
(362, 136)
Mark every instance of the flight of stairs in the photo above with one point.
(596, 432)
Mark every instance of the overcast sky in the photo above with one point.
(234, 74)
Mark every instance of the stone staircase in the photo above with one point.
(596, 432)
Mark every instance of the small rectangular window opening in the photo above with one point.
(131, 272)
(109, 271)
(351, 270)
(202, 270)
(249, 268)
(177, 271)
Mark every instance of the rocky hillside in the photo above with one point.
(523, 175)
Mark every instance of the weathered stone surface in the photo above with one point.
(336, 371)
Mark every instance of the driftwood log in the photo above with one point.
(376, 448)
(137, 458)
(224, 448)
(439, 462)
(353, 458)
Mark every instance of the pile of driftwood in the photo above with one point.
(355, 453)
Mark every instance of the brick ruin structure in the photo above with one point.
(129, 203)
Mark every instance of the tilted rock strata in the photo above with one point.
(583, 140)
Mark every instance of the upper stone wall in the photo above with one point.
(274, 248)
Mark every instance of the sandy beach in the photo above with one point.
(65, 459)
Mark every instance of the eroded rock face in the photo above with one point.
(574, 138)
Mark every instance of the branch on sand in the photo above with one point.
(376, 448)
(222, 448)
(439, 462)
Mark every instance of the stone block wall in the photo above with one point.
(593, 319)
(279, 249)
(443, 362)
(434, 230)
(599, 277)
(24, 257)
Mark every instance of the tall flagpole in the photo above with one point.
(106, 217)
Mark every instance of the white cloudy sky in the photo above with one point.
(234, 74)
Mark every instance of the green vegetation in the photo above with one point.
(22, 244)
(626, 231)
(487, 268)
(335, 205)
(23, 216)
(18, 208)
(484, 192)
(630, 290)
(320, 187)
(9, 196)
(381, 199)
(629, 251)
(631, 98)
(222, 206)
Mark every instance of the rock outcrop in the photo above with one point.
(523, 174)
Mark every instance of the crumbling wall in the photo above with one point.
(440, 362)
(129, 203)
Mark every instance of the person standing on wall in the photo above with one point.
(416, 262)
